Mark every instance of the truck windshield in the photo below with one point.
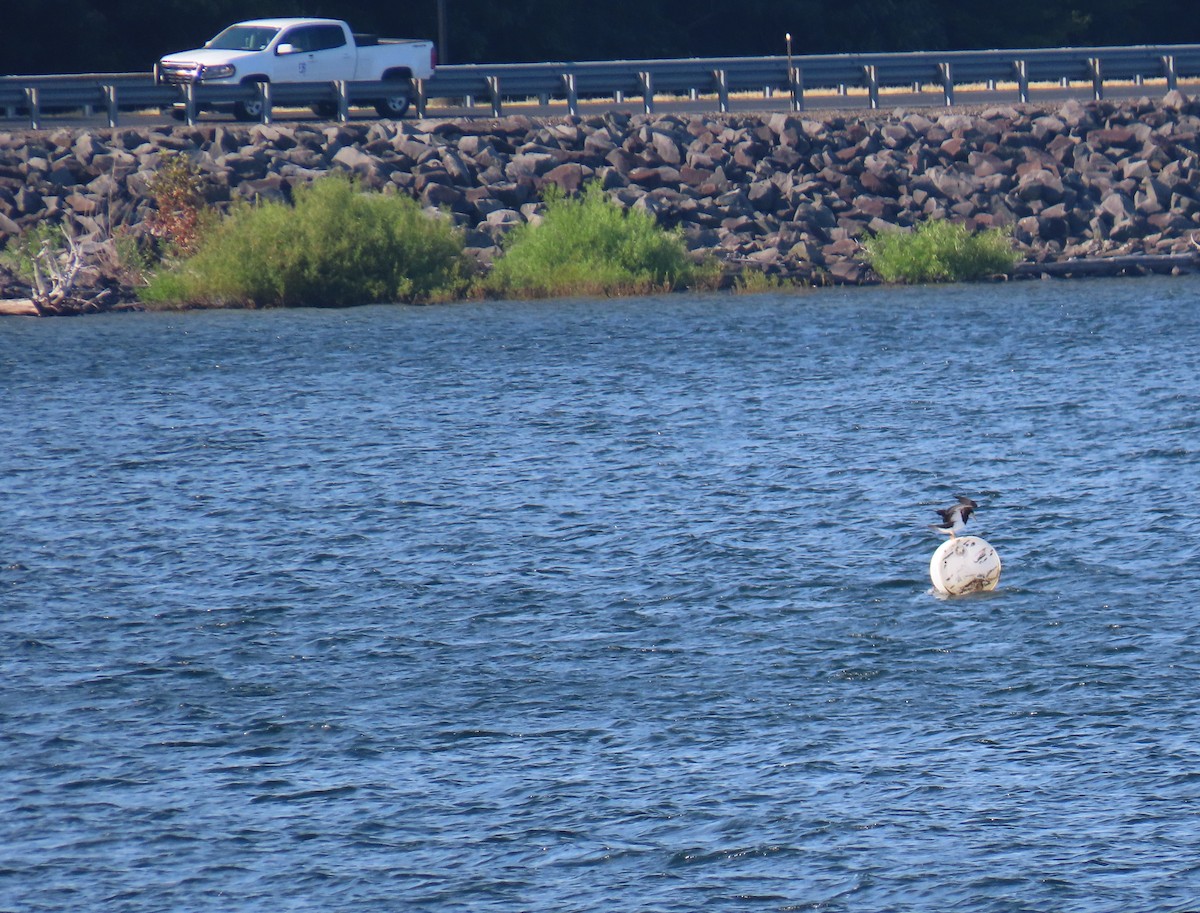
(244, 38)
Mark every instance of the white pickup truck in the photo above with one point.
(302, 50)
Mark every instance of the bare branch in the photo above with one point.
(55, 273)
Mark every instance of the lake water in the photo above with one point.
(604, 605)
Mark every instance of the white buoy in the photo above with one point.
(964, 564)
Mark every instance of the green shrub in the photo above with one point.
(940, 251)
(46, 239)
(587, 245)
(334, 247)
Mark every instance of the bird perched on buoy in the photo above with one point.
(954, 518)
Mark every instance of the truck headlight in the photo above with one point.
(220, 71)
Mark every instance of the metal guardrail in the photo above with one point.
(38, 97)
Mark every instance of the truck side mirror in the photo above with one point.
(285, 49)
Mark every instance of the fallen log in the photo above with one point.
(92, 302)
(19, 307)
(1133, 264)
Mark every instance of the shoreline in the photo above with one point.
(1093, 188)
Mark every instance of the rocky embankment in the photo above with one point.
(791, 195)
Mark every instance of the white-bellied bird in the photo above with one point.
(955, 517)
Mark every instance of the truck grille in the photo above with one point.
(179, 73)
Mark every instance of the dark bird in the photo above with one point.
(955, 518)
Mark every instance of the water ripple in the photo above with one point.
(587, 605)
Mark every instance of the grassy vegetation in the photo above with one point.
(940, 251)
(334, 247)
(587, 245)
(756, 282)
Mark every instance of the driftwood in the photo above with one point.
(57, 273)
(1131, 265)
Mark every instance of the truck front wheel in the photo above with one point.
(252, 109)
(248, 110)
(395, 105)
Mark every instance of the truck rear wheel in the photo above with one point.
(395, 105)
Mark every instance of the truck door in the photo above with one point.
(320, 54)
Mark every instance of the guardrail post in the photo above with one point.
(110, 103)
(35, 108)
(572, 94)
(493, 84)
(721, 80)
(872, 79)
(264, 95)
(1095, 69)
(1022, 70)
(421, 100)
(189, 104)
(947, 83)
(342, 90)
(646, 85)
(797, 80)
(1168, 63)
